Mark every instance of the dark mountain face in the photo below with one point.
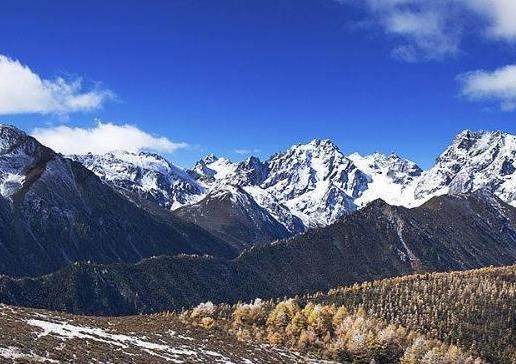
(54, 212)
(232, 214)
(379, 241)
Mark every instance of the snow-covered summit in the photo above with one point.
(19, 153)
(313, 184)
(146, 174)
(211, 169)
(315, 181)
(474, 160)
(390, 178)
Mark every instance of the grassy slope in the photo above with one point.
(32, 336)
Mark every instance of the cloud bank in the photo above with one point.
(23, 91)
(498, 85)
(434, 29)
(103, 138)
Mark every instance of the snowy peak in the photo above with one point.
(316, 181)
(19, 154)
(390, 178)
(210, 158)
(211, 168)
(147, 174)
(251, 172)
(10, 137)
(398, 169)
(474, 160)
(314, 184)
(302, 166)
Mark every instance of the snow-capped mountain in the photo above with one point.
(19, 154)
(474, 161)
(307, 185)
(211, 169)
(314, 184)
(390, 178)
(315, 181)
(147, 174)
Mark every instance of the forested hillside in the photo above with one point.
(458, 317)
(474, 309)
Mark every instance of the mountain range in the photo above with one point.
(379, 241)
(308, 185)
(130, 232)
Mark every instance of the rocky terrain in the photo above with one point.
(474, 160)
(232, 214)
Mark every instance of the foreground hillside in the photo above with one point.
(36, 336)
(475, 309)
(379, 241)
(445, 318)
(439, 318)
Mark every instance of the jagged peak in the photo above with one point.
(12, 128)
(252, 159)
(323, 143)
(320, 147)
(378, 160)
(468, 138)
(210, 158)
(10, 136)
(251, 162)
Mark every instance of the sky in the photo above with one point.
(237, 77)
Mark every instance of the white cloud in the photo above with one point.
(500, 16)
(102, 138)
(247, 151)
(499, 85)
(421, 29)
(23, 91)
(433, 29)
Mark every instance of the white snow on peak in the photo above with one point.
(315, 181)
(474, 161)
(222, 168)
(211, 169)
(18, 155)
(314, 184)
(390, 178)
(147, 174)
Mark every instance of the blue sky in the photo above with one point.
(205, 76)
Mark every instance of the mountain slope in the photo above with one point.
(55, 212)
(475, 309)
(433, 318)
(234, 216)
(379, 241)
